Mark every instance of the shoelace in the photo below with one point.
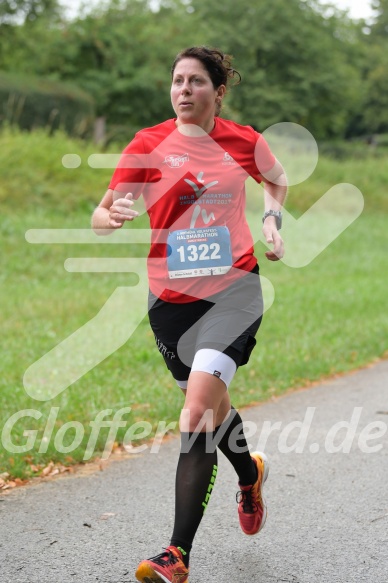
(165, 559)
(249, 505)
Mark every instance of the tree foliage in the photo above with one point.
(294, 68)
(16, 11)
(379, 30)
(298, 61)
(375, 106)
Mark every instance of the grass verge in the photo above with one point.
(328, 317)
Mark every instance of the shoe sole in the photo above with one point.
(146, 574)
(264, 459)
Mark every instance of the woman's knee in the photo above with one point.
(197, 418)
(204, 395)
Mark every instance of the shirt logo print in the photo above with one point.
(228, 160)
(199, 191)
(176, 161)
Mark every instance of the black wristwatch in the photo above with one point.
(278, 218)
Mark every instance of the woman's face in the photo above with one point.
(193, 96)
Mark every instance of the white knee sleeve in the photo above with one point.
(215, 363)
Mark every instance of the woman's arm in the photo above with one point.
(113, 210)
(275, 191)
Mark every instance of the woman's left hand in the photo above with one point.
(272, 236)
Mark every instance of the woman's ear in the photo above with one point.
(220, 93)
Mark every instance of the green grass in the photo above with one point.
(328, 317)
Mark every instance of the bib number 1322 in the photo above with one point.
(199, 252)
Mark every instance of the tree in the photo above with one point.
(376, 102)
(375, 106)
(26, 29)
(19, 11)
(297, 63)
(294, 62)
(121, 54)
(379, 29)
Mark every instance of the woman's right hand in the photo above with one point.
(121, 211)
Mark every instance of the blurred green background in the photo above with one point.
(85, 85)
(300, 61)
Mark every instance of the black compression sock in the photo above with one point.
(185, 551)
(195, 477)
(230, 439)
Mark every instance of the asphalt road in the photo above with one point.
(327, 509)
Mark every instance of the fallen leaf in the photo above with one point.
(47, 470)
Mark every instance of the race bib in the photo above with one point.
(199, 252)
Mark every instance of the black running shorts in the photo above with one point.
(227, 321)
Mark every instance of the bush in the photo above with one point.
(31, 102)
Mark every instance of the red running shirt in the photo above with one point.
(188, 184)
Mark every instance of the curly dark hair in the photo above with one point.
(217, 64)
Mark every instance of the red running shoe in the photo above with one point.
(167, 567)
(252, 509)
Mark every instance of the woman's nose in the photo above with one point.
(186, 88)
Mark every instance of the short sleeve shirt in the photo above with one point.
(194, 185)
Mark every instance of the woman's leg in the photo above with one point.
(230, 439)
(197, 464)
